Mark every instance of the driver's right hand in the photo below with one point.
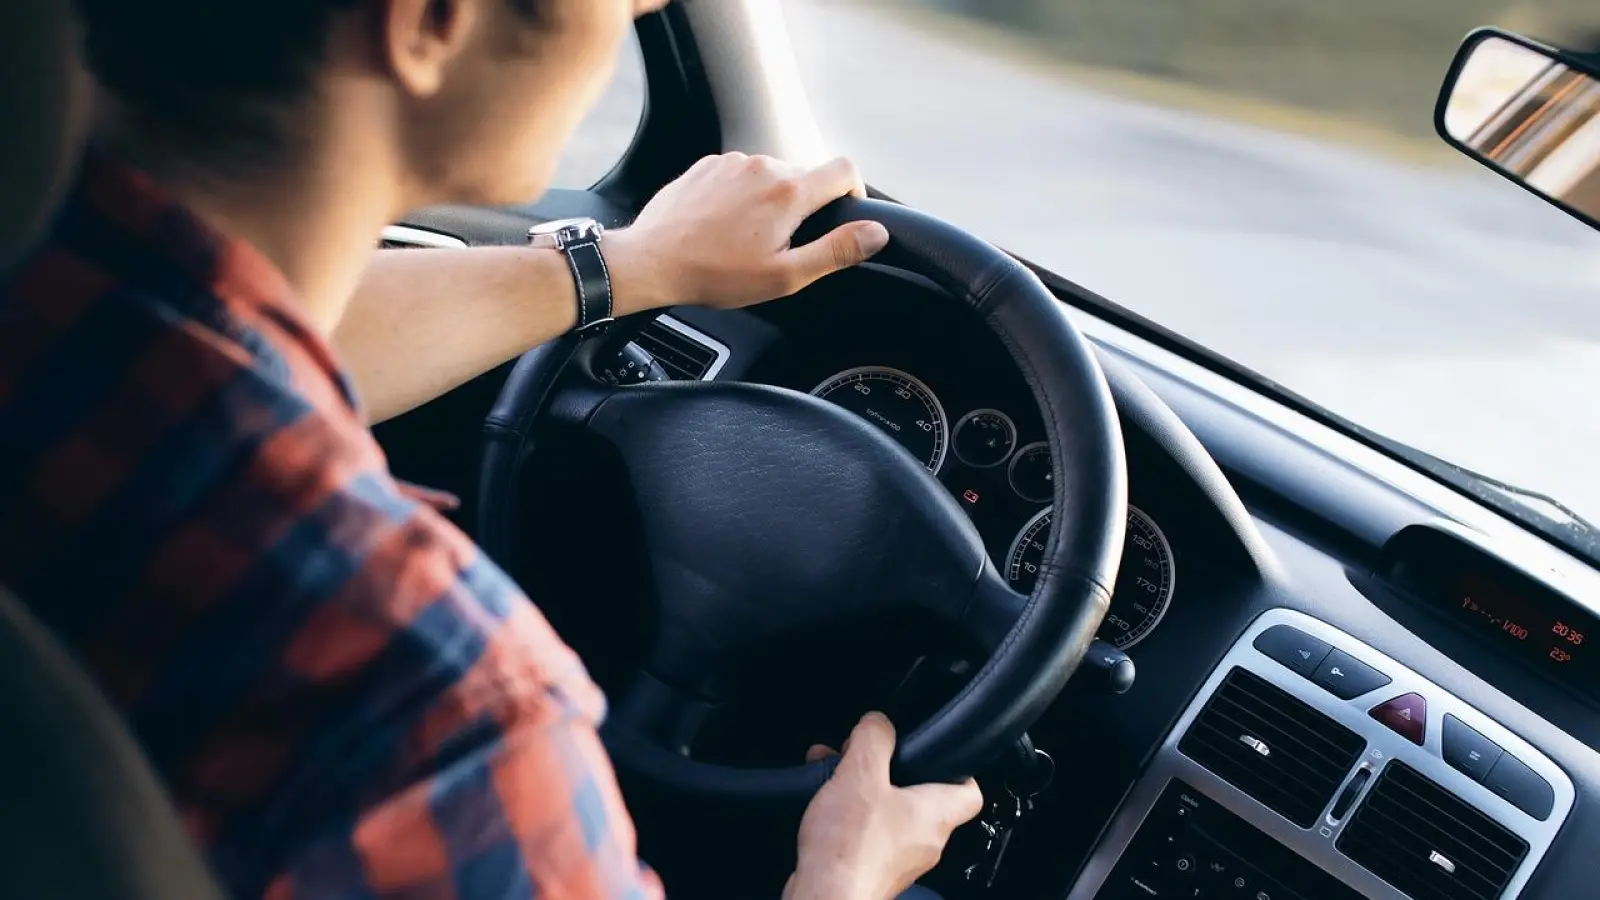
(862, 838)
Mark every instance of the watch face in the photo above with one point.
(557, 225)
(563, 233)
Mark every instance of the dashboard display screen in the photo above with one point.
(1560, 640)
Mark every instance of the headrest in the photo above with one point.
(44, 99)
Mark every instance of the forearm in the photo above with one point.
(425, 321)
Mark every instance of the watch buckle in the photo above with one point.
(596, 328)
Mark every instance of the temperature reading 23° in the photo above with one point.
(1144, 580)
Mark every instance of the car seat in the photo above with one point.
(82, 816)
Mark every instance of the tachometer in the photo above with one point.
(899, 404)
(1144, 580)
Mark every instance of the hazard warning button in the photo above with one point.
(1406, 715)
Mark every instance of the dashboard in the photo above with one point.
(1249, 751)
(949, 394)
(1445, 665)
(1006, 488)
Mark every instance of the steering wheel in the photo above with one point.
(767, 512)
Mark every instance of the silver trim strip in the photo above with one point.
(1383, 745)
(418, 237)
(706, 340)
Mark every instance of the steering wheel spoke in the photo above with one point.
(992, 611)
(661, 713)
(578, 394)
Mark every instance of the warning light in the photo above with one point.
(969, 495)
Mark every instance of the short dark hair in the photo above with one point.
(214, 75)
(208, 73)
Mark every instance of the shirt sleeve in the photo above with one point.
(343, 697)
(361, 704)
(500, 786)
(522, 804)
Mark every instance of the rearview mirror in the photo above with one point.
(1530, 112)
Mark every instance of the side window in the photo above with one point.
(607, 133)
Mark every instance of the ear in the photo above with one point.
(422, 38)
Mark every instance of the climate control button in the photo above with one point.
(1468, 750)
(1515, 782)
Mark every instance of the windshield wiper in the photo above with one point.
(1549, 511)
(1535, 499)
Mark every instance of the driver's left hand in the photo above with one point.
(720, 235)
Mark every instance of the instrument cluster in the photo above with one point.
(1007, 486)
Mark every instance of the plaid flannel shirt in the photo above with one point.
(345, 698)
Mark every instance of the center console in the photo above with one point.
(1192, 846)
(1312, 767)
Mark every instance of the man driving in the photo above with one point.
(345, 698)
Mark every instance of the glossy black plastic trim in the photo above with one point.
(679, 122)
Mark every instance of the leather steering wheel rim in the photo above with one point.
(1036, 642)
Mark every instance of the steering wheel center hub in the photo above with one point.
(767, 511)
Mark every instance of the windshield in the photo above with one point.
(1260, 176)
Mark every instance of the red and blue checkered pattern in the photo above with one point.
(343, 696)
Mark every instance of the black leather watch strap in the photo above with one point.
(579, 241)
(593, 281)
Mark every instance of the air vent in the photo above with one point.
(1274, 747)
(402, 237)
(1428, 842)
(686, 354)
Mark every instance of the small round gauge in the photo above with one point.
(1144, 580)
(984, 438)
(1032, 474)
(903, 407)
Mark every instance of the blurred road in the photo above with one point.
(1443, 307)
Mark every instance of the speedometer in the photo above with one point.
(899, 404)
(1144, 580)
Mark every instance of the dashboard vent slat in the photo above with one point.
(683, 357)
(1273, 746)
(404, 237)
(1428, 842)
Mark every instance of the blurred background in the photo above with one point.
(1374, 61)
(1258, 175)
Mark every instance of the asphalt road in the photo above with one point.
(1441, 306)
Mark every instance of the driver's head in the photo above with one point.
(467, 100)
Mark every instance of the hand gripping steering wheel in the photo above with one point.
(767, 511)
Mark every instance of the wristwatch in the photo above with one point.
(579, 240)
